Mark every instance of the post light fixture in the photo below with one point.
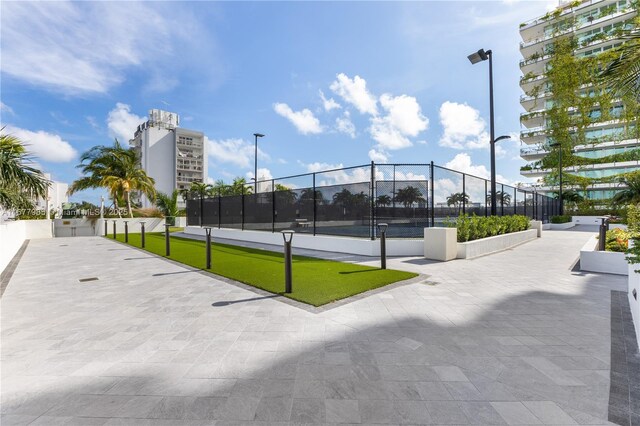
(382, 228)
(255, 161)
(114, 229)
(142, 233)
(287, 236)
(106, 228)
(207, 230)
(126, 231)
(167, 244)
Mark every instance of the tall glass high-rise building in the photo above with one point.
(603, 133)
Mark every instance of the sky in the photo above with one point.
(330, 84)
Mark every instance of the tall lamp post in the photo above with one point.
(255, 161)
(474, 58)
(559, 146)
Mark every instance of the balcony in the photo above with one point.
(533, 152)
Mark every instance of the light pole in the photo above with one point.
(255, 161)
(382, 227)
(474, 58)
(287, 235)
(559, 146)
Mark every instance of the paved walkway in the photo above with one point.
(512, 338)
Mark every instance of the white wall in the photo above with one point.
(359, 246)
(13, 234)
(159, 159)
(634, 301)
(607, 262)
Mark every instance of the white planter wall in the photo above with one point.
(14, 233)
(634, 297)
(607, 262)
(359, 246)
(489, 245)
(586, 220)
(561, 225)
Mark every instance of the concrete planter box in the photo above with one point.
(561, 225)
(607, 262)
(634, 296)
(440, 243)
(586, 220)
(488, 245)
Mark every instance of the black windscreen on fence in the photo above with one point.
(353, 201)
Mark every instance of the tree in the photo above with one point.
(457, 200)
(118, 170)
(343, 197)
(408, 196)
(201, 189)
(631, 194)
(503, 198)
(383, 200)
(168, 204)
(285, 194)
(307, 195)
(20, 183)
(623, 73)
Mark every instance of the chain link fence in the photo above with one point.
(352, 201)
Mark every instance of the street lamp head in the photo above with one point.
(287, 235)
(382, 227)
(479, 56)
(500, 138)
(258, 135)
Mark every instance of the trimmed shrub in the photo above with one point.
(561, 219)
(476, 227)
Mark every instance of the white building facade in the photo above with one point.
(174, 157)
(596, 25)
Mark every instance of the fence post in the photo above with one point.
(464, 192)
(242, 210)
(486, 203)
(315, 204)
(273, 205)
(433, 204)
(525, 202)
(219, 209)
(372, 220)
(502, 200)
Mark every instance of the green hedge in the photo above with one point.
(475, 227)
(561, 219)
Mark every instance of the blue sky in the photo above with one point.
(330, 84)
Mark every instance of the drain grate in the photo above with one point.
(431, 283)
(84, 280)
(64, 245)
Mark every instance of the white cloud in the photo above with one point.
(264, 179)
(404, 118)
(6, 108)
(378, 156)
(463, 127)
(329, 104)
(354, 91)
(462, 163)
(304, 121)
(92, 122)
(44, 145)
(122, 123)
(357, 175)
(344, 125)
(234, 151)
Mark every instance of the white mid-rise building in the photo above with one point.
(56, 195)
(173, 156)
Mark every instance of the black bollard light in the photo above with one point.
(167, 247)
(114, 229)
(208, 231)
(602, 238)
(142, 233)
(382, 228)
(106, 228)
(287, 236)
(126, 231)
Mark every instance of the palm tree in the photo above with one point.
(408, 196)
(344, 197)
(631, 194)
(20, 183)
(200, 188)
(457, 200)
(623, 74)
(118, 170)
(285, 194)
(501, 198)
(307, 195)
(168, 204)
(383, 200)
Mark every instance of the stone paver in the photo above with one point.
(512, 338)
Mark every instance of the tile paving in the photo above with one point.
(512, 338)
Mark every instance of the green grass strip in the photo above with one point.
(315, 281)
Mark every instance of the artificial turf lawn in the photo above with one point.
(315, 281)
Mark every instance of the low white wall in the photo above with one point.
(586, 220)
(151, 224)
(634, 296)
(360, 246)
(608, 262)
(13, 234)
(489, 245)
(561, 225)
